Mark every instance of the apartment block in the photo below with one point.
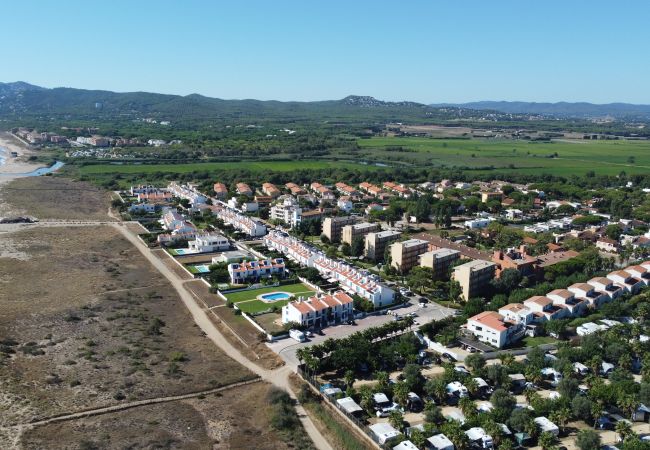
(333, 226)
(357, 231)
(405, 255)
(474, 276)
(439, 261)
(376, 243)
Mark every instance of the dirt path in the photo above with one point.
(278, 377)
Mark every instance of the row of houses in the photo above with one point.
(512, 321)
(241, 222)
(351, 279)
(247, 271)
(188, 192)
(320, 310)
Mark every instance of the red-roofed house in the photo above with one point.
(319, 311)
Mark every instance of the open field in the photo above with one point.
(271, 166)
(87, 322)
(232, 419)
(573, 157)
(247, 300)
(53, 198)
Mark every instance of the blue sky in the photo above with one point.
(427, 51)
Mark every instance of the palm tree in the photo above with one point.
(507, 359)
(493, 429)
(401, 394)
(396, 419)
(436, 388)
(382, 378)
(472, 386)
(418, 438)
(624, 429)
(561, 417)
(596, 411)
(595, 364)
(367, 402)
(628, 403)
(547, 440)
(467, 406)
(456, 435)
(349, 378)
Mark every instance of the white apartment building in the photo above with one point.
(288, 211)
(492, 328)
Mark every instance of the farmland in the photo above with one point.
(555, 157)
(271, 166)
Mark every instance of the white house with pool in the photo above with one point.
(320, 310)
(246, 271)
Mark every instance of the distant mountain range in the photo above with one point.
(561, 109)
(22, 99)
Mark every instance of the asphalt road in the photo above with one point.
(286, 348)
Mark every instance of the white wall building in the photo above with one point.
(320, 310)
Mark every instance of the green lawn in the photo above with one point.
(295, 289)
(537, 340)
(573, 157)
(266, 166)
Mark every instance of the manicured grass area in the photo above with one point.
(247, 300)
(537, 340)
(267, 166)
(573, 157)
(298, 288)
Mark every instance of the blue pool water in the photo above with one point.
(275, 296)
(203, 268)
(183, 251)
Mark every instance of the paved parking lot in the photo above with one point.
(286, 348)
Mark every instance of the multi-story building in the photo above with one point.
(492, 328)
(250, 271)
(439, 261)
(208, 242)
(474, 276)
(319, 311)
(220, 191)
(323, 191)
(333, 226)
(576, 298)
(271, 190)
(244, 189)
(357, 231)
(488, 196)
(376, 243)
(288, 212)
(404, 255)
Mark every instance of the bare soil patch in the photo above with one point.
(51, 197)
(87, 322)
(233, 419)
(171, 264)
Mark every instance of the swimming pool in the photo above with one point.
(183, 251)
(275, 296)
(202, 268)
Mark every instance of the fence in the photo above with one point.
(360, 424)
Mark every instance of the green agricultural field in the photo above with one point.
(560, 157)
(247, 300)
(262, 166)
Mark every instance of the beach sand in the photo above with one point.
(14, 166)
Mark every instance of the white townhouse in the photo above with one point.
(640, 273)
(544, 309)
(243, 223)
(355, 281)
(172, 219)
(319, 311)
(607, 287)
(588, 293)
(574, 299)
(208, 242)
(517, 313)
(246, 271)
(626, 281)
